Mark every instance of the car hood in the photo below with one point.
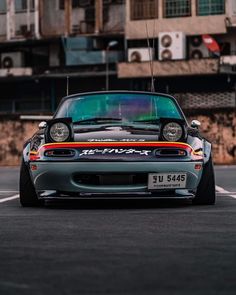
(116, 133)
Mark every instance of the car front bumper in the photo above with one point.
(57, 179)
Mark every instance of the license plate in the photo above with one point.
(166, 180)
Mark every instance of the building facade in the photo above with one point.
(165, 38)
(49, 48)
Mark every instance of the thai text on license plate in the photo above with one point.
(167, 180)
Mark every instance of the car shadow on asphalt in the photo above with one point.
(116, 204)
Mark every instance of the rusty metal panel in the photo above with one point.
(206, 100)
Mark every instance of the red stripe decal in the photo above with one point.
(116, 144)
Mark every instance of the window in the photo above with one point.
(61, 4)
(144, 9)
(128, 107)
(74, 3)
(177, 8)
(3, 8)
(21, 5)
(210, 7)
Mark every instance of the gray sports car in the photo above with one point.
(117, 144)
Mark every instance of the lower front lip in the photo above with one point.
(59, 175)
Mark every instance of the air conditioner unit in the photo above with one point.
(140, 54)
(12, 60)
(172, 45)
(197, 49)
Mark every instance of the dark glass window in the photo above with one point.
(177, 8)
(3, 7)
(74, 3)
(21, 5)
(210, 7)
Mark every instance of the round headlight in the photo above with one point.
(59, 132)
(172, 131)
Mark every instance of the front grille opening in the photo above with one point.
(60, 153)
(111, 179)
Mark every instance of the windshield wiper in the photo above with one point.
(96, 120)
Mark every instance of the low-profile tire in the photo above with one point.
(205, 194)
(28, 196)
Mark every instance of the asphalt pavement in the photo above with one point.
(118, 247)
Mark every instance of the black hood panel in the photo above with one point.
(115, 133)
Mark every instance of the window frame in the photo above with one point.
(176, 16)
(197, 9)
(24, 9)
(134, 15)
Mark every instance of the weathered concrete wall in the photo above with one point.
(192, 25)
(13, 134)
(218, 127)
(208, 66)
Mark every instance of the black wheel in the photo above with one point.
(28, 196)
(205, 194)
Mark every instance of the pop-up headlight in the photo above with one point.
(173, 129)
(59, 130)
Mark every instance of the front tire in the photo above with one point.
(28, 196)
(205, 194)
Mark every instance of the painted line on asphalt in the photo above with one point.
(221, 190)
(9, 198)
(8, 192)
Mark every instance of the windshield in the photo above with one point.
(125, 107)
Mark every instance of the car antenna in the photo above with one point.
(67, 85)
(150, 57)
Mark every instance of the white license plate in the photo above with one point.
(167, 180)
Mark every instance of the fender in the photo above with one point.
(26, 152)
(207, 147)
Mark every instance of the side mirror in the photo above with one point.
(42, 125)
(195, 124)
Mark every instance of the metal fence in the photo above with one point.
(206, 100)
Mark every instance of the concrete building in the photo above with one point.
(51, 47)
(170, 31)
(43, 42)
